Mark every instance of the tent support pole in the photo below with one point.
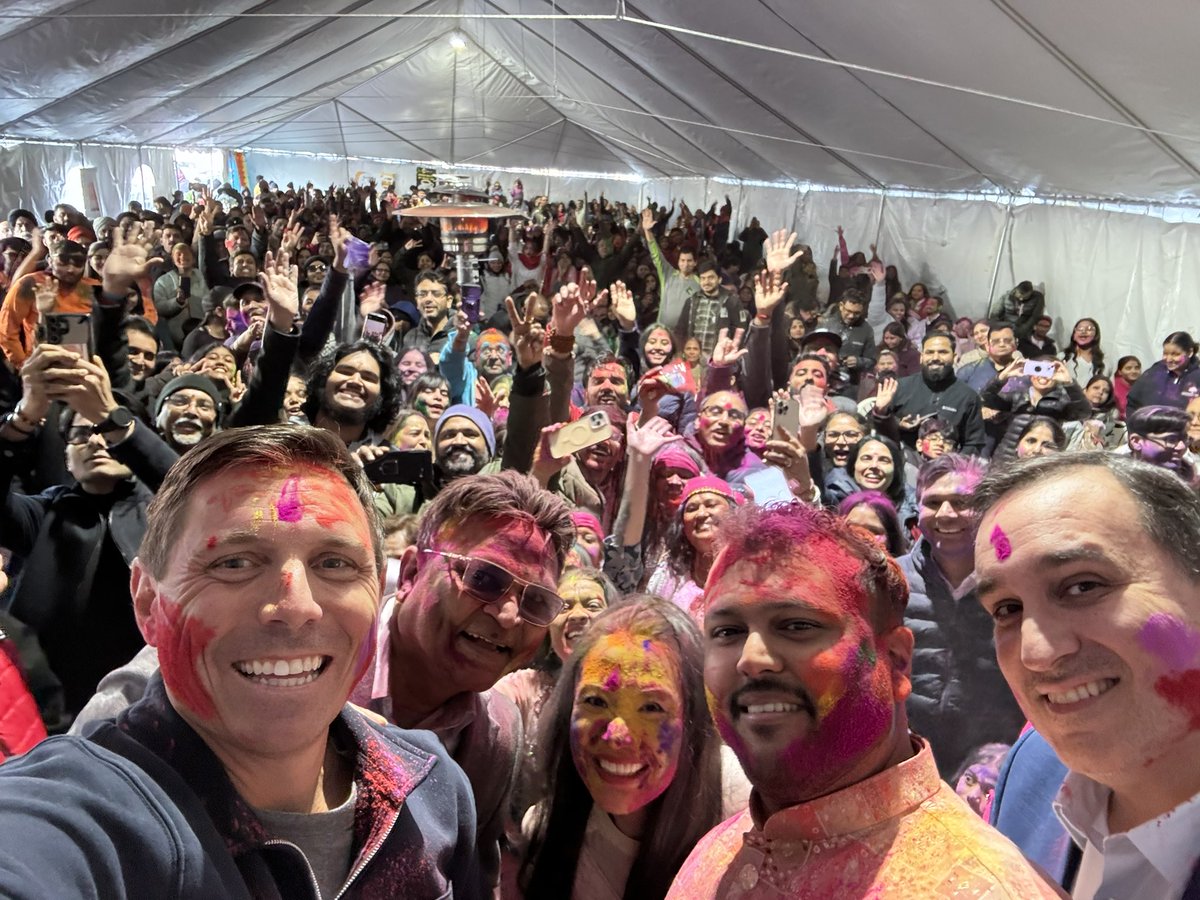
(1005, 232)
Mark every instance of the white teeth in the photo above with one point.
(280, 668)
(499, 648)
(1091, 689)
(620, 768)
(755, 708)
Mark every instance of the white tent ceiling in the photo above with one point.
(1075, 97)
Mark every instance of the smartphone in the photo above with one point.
(471, 297)
(71, 331)
(679, 376)
(185, 287)
(377, 326)
(787, 414)
(1038, 368)
(413, 467)
(592, 429)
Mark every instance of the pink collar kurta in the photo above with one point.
(903, 833)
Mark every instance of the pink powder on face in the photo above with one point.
(212, 542)
(181, 641)
(1000, 543)
(1174, 642)
(288, 506)
(613, 681)
(1183, 691)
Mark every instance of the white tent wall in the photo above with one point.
(1139, 275)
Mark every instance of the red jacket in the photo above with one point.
(20, 722)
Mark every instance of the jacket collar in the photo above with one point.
(386, 771)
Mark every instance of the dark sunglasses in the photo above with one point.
(490, 583)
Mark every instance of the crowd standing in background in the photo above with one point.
(646, 572)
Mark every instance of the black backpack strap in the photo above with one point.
(108, 736)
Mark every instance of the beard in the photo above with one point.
(460, 461)
(357, 417)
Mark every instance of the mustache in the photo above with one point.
(760, 685)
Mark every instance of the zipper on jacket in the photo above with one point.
(275, 842)
(370, 856)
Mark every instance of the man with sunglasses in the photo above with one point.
(79, 539)
(476, 592)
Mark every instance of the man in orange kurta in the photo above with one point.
(806, 664)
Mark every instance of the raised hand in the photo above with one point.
(338, 236)
(725, 351)
(587, 286)
(545, 465)
(778, 250)
(769, 291)
(785, 451)
(814, 408)
(568, 309)
(373, 298)
(85, 388)
(623, 308)
(128, 260)
(45, 295)
(878, 272)
(485, 400)
(648, 220)
(885, 393)
(642, 442)
(528, 338)
(280, 282)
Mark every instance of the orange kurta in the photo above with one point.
(902, 834)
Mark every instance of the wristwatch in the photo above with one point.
(117, 420)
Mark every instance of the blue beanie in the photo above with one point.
(475, 415)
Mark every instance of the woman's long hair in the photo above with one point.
(678, 818)
(1072, 350)
(1018, 427)
(895, 490)
(885, 510)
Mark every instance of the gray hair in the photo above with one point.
(1168, 508)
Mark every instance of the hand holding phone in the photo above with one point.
(592, 429)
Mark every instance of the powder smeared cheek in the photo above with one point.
(1000, 543)
(706, 422)
(1174, 642)
(1183, 691)
(288, 506)
(181, 641)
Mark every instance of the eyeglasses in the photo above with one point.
(79, 434)
(843, 435)
(316, 267)
(490, 583)
(423, 294)
(179, 401)
(1166, 441)
(716, 412)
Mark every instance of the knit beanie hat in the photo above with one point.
(469, 412)
(196, 382)
(711, 484)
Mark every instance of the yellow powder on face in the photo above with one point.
(627, 655)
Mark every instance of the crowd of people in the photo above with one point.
(663, 567)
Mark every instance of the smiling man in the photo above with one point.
(476, 594)
(354, 393)
(242, 771)
(807, 669)
(959, 699)
(1087, 565)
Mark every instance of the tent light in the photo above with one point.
(457, 42)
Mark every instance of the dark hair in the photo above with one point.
(1157, 419)
(939, 426)
(1182, 340)
(708, 264)
(262, 448)
(506, 494)
(605, 358)
(140, 325)
(1018, 427)
(676, 819)
(930, 335)
(430, 378)
(935, 470)
(1111, 401)
(1124, 359)
(781, 534)
(1072, 350)
(895, 490)
(897, 330)
(885, 509)
(852, 295)
(389, 382)
(1169, 509)
(1000, 326)
(811, 357)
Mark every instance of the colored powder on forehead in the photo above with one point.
(211, 542)
(288, 506)
(1000, 543)
(1174, 642)
(623, 653)
(181, 641)
(1183, 691)
(613, 681)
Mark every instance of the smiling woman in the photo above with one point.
(632, 759)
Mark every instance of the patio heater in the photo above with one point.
(464, 215)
